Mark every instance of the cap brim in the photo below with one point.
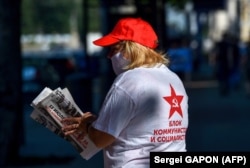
(106, 41)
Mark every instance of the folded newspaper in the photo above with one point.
(50, 107)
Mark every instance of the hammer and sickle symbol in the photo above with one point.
(175, 102)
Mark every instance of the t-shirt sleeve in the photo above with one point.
(116, 112)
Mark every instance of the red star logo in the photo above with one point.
(174, 101)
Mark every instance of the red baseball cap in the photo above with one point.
(132, 29)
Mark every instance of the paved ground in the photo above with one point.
(216, 124)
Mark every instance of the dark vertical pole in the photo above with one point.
(85, 25)
(154, 13)
(198, 60)
(108, 22)
(167, 44)
(11, 126)
(161, 27)
(238, 19)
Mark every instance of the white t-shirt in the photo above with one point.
(146, 109)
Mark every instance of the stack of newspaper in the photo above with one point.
(50, 107)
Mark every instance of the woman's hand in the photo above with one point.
(80, 126)
(77, 125)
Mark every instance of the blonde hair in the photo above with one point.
(140, 55)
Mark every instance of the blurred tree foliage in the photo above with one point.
(54, 16)
(46, 16)
(180, 4)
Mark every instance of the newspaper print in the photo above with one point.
(46, 122)
(64, 104)
(40, 115)
(59, 104)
